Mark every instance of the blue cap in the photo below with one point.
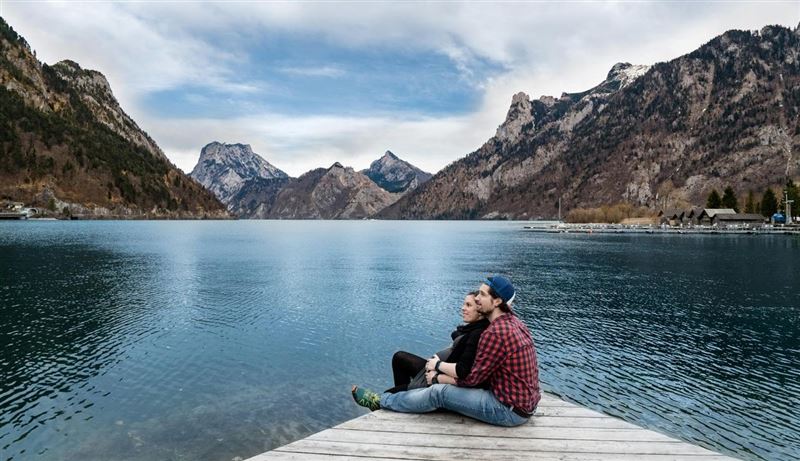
(503, 287)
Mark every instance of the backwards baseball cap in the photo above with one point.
(503, 287)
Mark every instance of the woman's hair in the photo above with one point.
(504, 307)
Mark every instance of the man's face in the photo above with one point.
(486, 304)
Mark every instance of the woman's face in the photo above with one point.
(469, 310)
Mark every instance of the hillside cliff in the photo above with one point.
(67, 145)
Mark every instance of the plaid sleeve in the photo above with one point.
(488, 358)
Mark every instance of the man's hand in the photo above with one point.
(431, 363)
(429, 375)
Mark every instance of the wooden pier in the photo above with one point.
(559, 431)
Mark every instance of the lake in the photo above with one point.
(222, 339)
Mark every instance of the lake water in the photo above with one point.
(212, 340)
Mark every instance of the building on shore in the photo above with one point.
(706, 217)
(671, 218)
(718, 217)
(748, 220)
(690, 216)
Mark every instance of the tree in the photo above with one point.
(713, 199)
(729, 199)
(769, 204)
(750, 204)
(664, 191)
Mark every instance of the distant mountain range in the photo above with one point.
(660, 136)
(337, 192)
(252, 188)
(67, 145)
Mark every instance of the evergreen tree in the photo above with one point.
(713, 201)
(769, 204)
(729, 199)
(750, 204)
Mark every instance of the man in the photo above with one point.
(506, 361)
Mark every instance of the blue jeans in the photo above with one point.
(480, 404)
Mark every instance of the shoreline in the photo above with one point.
(628, 229)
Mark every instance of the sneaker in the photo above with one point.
(366, 398)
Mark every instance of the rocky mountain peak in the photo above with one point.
(625, 73)
(95, 91)
(336, 165)
(548, 101)
(83, 79)
(224, 168)
(394, 174)
(518, 119)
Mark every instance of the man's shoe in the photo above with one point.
(366, 398)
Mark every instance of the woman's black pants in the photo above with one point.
(404, 367)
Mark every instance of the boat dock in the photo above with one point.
(13, 215)
(558, 431)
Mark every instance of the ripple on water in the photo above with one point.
(215, 340)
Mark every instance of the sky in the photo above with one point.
(309, 83)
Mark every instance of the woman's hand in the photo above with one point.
(430, 365)
(429, 375)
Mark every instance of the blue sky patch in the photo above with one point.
(295, 76)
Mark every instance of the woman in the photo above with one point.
(410, 370)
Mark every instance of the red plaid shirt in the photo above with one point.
(506, 359)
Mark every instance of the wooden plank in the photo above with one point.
(432, 453)
(574, 412)
(501, 443)
(549, 400)
(569, 411)
(291, 456)
(539, 421)
(524, 431)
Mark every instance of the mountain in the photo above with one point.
(333, 193)
(224, 168)
(67, 145)
(725, 114)
(395, 175)
(256, 197)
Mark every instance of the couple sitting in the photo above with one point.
(490, 373)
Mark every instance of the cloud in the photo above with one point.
(324, 71)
